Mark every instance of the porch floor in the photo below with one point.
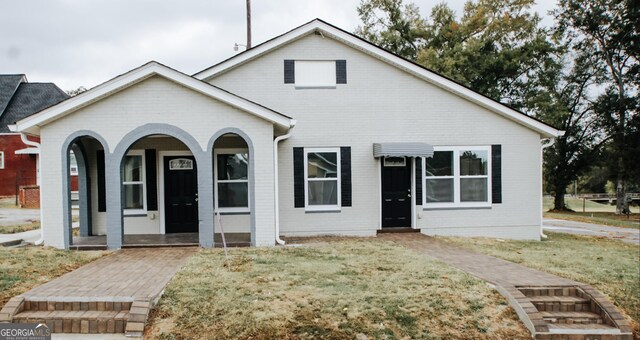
(160, 240)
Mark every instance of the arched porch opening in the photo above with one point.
(233, 189)
(83, 183)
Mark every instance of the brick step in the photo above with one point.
(85, 322)
(561, 303)
(583, 329)
(572, 317)
(548, 291)
(37, 305)
(397, 230)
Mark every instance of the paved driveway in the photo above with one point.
(628, 235)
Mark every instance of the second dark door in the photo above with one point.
(396, 192)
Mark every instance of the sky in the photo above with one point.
(75, 43)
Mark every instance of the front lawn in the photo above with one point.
(24, 268)
(331, 289)
(613, 267)
(605, 218)
(13, 229)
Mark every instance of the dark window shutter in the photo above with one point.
(496, 173)
(298, 177)
(102, 195)
(289, 71)
(152, 179)
(341, 71)
(345, 176)
(419, 175)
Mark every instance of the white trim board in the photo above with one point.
(349, 39)
(32, 123)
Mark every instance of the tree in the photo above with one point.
(564, 101)
(610, 31)
(495, 48)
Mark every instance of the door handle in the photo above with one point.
(196, 199)
(408, 195)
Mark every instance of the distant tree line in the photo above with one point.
(582, 75)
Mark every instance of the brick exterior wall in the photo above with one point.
(29, 197)
(18, 169)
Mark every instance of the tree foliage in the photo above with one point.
(496, 47)
(609, 31)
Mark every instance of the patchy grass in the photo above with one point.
(12, 229)
(339, 289)
(613, 267)
(8, 202)
(24, 268)
(605, 218)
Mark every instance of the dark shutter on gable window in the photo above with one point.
(345, 176)
(298, 177)
(152, 179)
(102, 196)
(289, 72)
(496, 173)
(419, 175)
(341, 71)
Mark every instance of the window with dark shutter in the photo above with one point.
(341, 71)
(496, 173)
(345, 175)
(152, 179)
(102, 196)
(289, 72)
(298, 177)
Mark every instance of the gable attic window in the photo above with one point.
(315, 74)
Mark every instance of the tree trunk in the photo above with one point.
(558, 200)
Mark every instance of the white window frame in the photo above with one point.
(324, 207)
(1, 159)
(315, 84)
(143, 181)
(456, 178)
(217, 152)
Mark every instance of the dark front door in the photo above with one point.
(396, 192)
(180, 194)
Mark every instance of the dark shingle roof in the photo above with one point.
(28, 99)
(8, 85)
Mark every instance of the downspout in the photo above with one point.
(26, 141)
(276, 202)
(545, 143)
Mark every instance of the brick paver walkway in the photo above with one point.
(488, 268)
(126, 275)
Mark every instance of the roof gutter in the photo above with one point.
(276, 202)
(545, 143)
(25, 140)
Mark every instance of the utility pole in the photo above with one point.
(248, 24)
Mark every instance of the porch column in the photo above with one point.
(113, 173)
(205, 199)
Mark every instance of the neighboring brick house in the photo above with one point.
(20, 99)
(313, 132)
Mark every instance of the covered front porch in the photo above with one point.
(99, 242)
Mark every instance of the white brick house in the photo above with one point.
(280, 141)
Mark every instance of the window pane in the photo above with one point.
(133, 196)
(323, 192)
(441, 164)
(473, 190)
(233, 166)
(233, 195)
(439, 190)
(322, 165)
(473, 163)
(133, 168)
